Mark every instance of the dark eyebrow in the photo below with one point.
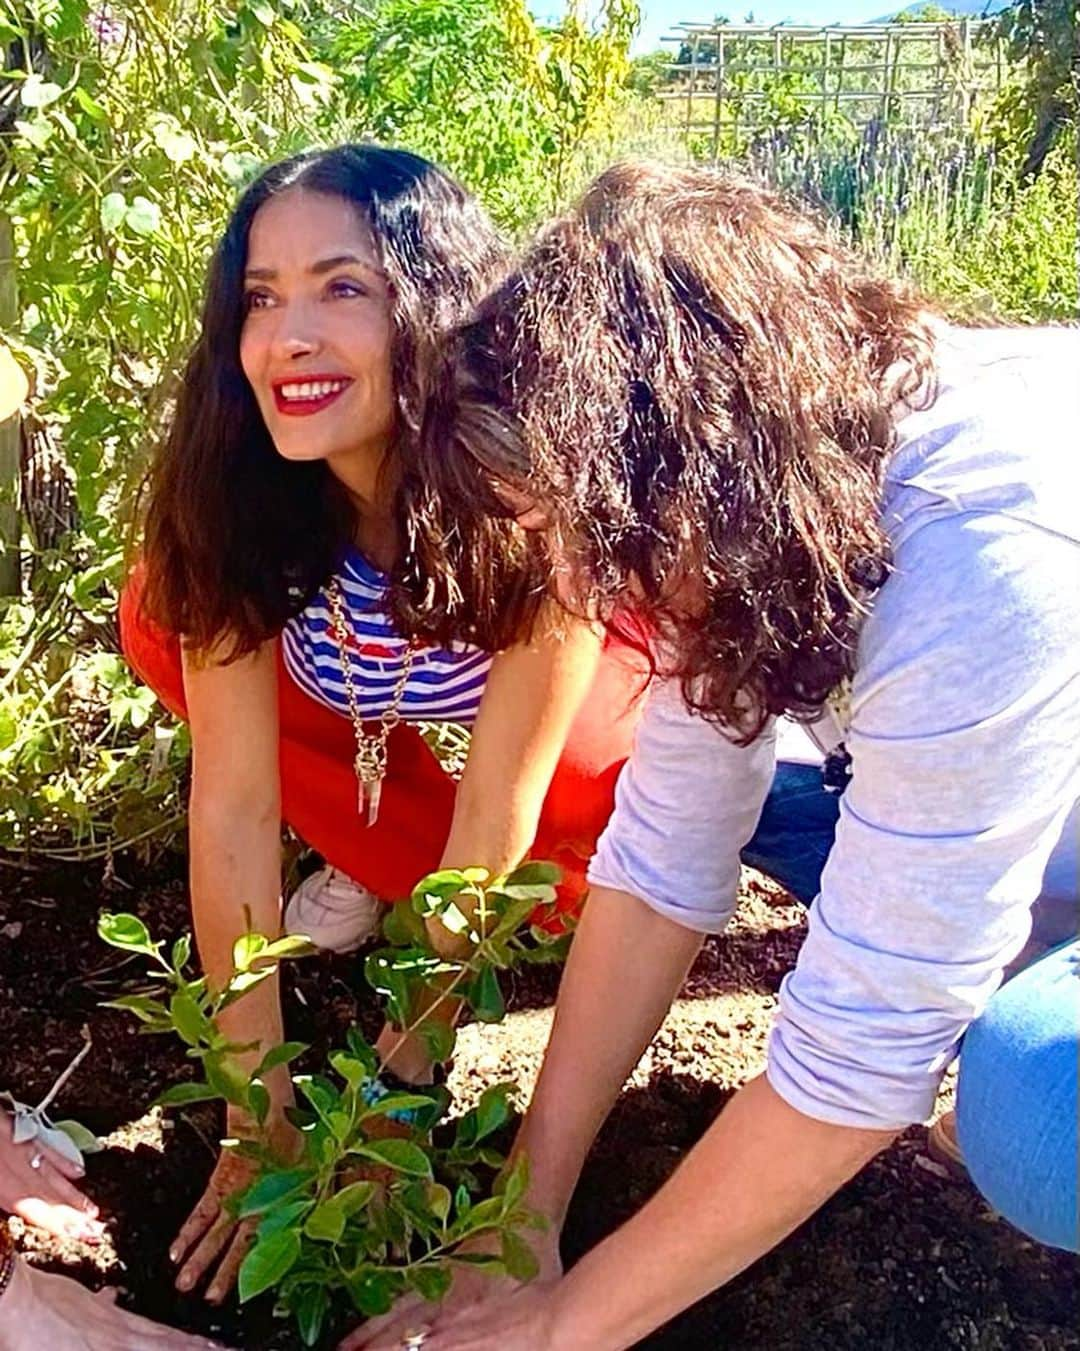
(319, 268)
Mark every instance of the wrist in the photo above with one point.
(566, 1327)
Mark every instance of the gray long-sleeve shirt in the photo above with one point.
(965, 741)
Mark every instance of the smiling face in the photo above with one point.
(316, 344)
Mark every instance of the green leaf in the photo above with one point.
(89, 105)
(432, 1282)
(147, 1010)
(85, 1141)
(281, 1054)
(403, 927)
(514, 915)
(226, 1077)
(355, 1197)
(485, 1261)
(182, 1095)
(493, 1110)
(243, 982)
(340, 1124)
(310, 1308)
(271, 1188)
(350, 1069)
(144, 218)
(264, 11)
(362, 1050)
(485, 997)
(518, 1258)
(258, 1101)
(181, 951)
(326, 1223)
(126, 931)
(401, 1155)
(513, 1183)
(283, 1217)
(246, 948)
(320, 1092)
(439, 1201)
(439, 1040)
(436, 887)
(37, 92)
(373, 1290)
(535, 873)
(398, 1102)
(289, 945)
(270, 1260)
(188, 1019)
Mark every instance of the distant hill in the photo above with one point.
(974, 9)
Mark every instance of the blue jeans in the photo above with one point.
(1017, 1090)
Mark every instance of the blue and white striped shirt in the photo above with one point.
(445, 684)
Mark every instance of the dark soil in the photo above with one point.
(903, 1259)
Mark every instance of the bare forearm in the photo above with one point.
(235, 889)
(621, 944)
(760, 1171)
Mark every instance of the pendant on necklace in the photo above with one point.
(369, 782)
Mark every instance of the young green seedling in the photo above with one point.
(329, 1234)
(494, 915)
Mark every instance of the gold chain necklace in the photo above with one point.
(371, 754)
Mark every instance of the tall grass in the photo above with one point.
(947, 211)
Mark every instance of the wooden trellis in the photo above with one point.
(732, 80)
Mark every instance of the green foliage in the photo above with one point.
(357, 1218)
(477, 86)
(133, 130)
(85, 758)
(493, 915)
(1041, 99)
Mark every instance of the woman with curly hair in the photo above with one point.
(290, 606)
(830, 505)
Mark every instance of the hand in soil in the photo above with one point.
(472, 1293)
(210, 1236)
(54, 1312)
(521, 1320)
(44, 1196)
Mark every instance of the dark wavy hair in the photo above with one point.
(699, 387)
(237, 539)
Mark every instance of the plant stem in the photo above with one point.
(66, 1074)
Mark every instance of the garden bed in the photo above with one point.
(903, 1258)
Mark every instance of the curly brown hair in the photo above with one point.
(698, 386)
(237, 539)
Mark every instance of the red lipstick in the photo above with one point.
(314, 400)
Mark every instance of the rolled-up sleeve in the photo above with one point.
(965, 742)
(686, 803)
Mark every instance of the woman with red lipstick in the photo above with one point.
(300, 589)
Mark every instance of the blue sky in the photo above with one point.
(659, 16)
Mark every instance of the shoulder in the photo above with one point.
(997, 436)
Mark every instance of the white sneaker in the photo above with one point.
(335, 912)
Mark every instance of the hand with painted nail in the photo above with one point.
(211, 1238)
(39, 1312)
(38, 1184)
